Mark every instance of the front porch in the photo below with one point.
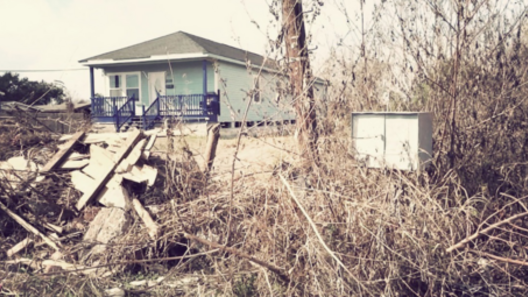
(121, 111)
(144, 95)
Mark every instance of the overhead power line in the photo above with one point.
(46, 70)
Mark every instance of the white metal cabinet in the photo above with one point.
(398, 140)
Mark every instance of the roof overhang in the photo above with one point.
(233, 61)
(166, 58)
(160, 58)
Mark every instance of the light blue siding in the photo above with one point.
(235, 84)
(187, 77)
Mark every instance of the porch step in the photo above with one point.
(134, 122)
(137, 123)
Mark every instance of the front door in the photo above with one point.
(156, 85)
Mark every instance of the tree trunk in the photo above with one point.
(298, 62)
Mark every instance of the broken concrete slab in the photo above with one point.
(108, 224)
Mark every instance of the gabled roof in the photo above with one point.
(179, 44)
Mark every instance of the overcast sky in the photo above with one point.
(56, 34)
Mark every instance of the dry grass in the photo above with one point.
(390, 230)
(379, 232)
(350, 231)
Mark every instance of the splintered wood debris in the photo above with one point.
(98, 165)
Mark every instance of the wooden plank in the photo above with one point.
(151, 142)
(98, 137)
(81, 181)
(105, 137)
(105, 174)
(135, 154)
(213, 134)
(115, 181)
(19, 246)
(145, 155)
(115, 197)
(142, 174)
(39, 265)
(100, 154)
(132, 158)
(78, 164)
(53, 228)
(147, 220)
(115, 142)
(100, 159)
(150, 173)
(75, 156)
(62, 154)
(135, 175)
(28, 227)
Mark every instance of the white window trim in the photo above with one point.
(110, 88)
(123, 82)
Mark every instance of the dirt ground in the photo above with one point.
(256, 154)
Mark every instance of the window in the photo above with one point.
(132, 86)
(115, 86)
(124, 85)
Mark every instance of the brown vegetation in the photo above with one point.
(341, 229)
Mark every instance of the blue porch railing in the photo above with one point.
(182, 105)
(151, 114)
(104, 107)
(188, 106)
(125, 113)
(120, 110)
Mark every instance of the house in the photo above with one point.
(191, 78)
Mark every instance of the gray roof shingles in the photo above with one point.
(180, 43)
